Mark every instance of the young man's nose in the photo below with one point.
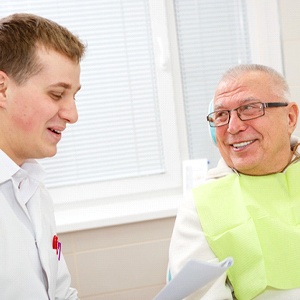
(69, 112)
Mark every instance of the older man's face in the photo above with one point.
(258, 146)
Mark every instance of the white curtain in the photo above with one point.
(212, 36)
(118, 134)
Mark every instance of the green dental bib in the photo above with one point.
(256, 220)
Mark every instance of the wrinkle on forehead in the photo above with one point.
(228, 92)
(249, 86)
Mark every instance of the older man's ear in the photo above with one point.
(293, 116)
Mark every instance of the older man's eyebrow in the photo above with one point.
(240, 102)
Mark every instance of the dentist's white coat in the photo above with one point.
(18, 280)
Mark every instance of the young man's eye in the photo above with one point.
(56, 96)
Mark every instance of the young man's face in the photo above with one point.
(258, 146)
(35, 113)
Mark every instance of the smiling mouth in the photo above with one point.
(55, 131)
(242, 144)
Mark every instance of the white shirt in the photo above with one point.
(29, 266)
(18, 185)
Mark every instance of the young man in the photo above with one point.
(249, 207)
(39, 78)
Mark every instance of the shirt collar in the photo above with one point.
(9, 168)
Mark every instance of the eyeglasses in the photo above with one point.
(245, 112)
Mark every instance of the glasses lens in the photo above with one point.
(245, 112)
(251, 110)
(218, 118)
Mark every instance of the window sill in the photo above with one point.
(89, 216)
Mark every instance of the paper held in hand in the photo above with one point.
(193, 276)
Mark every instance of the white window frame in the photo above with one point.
(146, 198)
(133, 199)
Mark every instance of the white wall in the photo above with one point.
(290, 33)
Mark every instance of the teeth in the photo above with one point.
(243, 144)
(56, 131)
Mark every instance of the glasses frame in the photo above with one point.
(263, 106)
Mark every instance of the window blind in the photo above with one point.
(212, 36)
(118, 134)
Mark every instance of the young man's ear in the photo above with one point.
(3, 87)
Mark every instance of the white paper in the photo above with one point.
(193, 276)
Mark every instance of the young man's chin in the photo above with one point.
(48, 153)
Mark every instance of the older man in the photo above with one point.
(249, 207)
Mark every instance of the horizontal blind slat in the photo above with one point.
(118, 134)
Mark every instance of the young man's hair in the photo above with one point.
(21, 34)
